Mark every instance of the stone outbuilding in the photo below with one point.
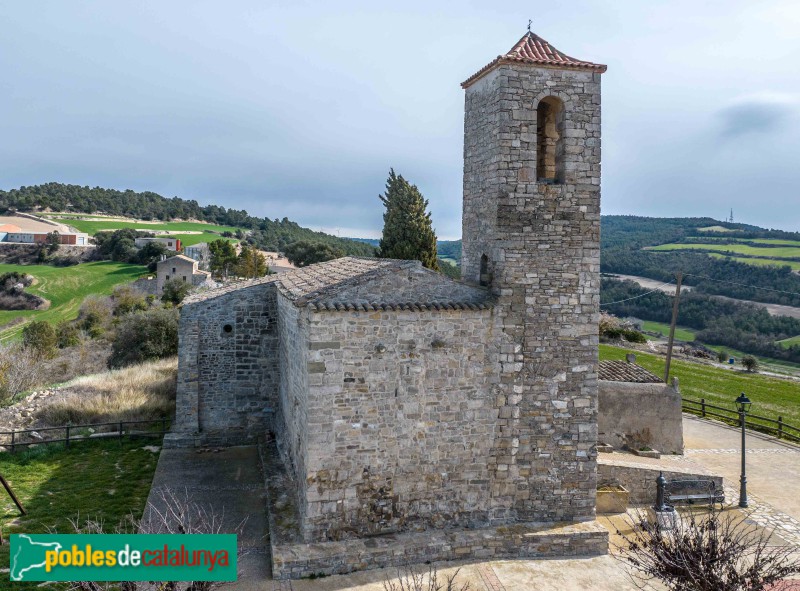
(638, 410)
(179, 267)
(415, 417)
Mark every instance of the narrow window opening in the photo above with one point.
(550, 141)
(227, 328)
(485, 278)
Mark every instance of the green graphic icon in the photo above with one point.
(29, 556)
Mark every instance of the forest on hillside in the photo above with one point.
(264, 233)
(624, 237)
(741, 326)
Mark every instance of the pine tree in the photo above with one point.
(407, 230)
(250, 263)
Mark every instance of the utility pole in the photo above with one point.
(679, 277)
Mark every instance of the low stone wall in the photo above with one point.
(632, 416)
(640, 478)
(293, 559)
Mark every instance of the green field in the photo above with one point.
(781, 252)
(208, 232)
(681, 333)
(772, 397)
(786, 343)
(66, 288)
(100, 480)
(758, 262)
(757, 241)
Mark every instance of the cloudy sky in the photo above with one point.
(300, 108)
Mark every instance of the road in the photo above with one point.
(773, 309)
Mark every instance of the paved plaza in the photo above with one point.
(231, 480)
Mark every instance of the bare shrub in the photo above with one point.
(172, 512)
(706, 551)
(95, 314)
(127, 300)
(145, 336)
(18, 371)
(139, 392)
(87, 357)
(412, 579)
(41, 337)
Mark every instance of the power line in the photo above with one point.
(743, 284)
(638, 296)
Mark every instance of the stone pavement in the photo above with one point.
(773, 471)
(231, 480)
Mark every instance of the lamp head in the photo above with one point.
(743, 403)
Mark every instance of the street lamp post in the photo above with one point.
(743, 405)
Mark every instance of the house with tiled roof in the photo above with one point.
(410, 417)
(179, 267)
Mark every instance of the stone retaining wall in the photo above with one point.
(632, 416)
(640, 480)
(293, 559)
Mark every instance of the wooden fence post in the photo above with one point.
(780, 427)
(703, 407)
(120, 432)
(67, 438)
(13, 445)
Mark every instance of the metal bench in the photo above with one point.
(690, 492)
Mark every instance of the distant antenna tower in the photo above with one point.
(730, 219)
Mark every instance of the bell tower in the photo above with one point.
(531, 233)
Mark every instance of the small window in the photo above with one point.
(174, 270)
(550, 141)
(485, 278)
(227, 328)
(184, 277)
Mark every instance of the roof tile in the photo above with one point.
(532, 49)
(622, 371)
(344, 285)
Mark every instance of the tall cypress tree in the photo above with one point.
(407, 230)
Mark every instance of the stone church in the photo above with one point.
(415, 417)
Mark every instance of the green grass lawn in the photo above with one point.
(771, 396)
(208, 232)
(757, 241)
(93, 480)
(66, 288)
(745, 249)
(786, 343)
(681, 333)
(758, 262)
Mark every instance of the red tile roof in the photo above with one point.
(622, 371)
(532, 49)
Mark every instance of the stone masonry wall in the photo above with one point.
(400, 422)
(227, 366)
(542, 242)
(291, 424)
(637, 415)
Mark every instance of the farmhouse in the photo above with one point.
(171, 243)
(179, 267)
(36, 231)
(418, 418)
